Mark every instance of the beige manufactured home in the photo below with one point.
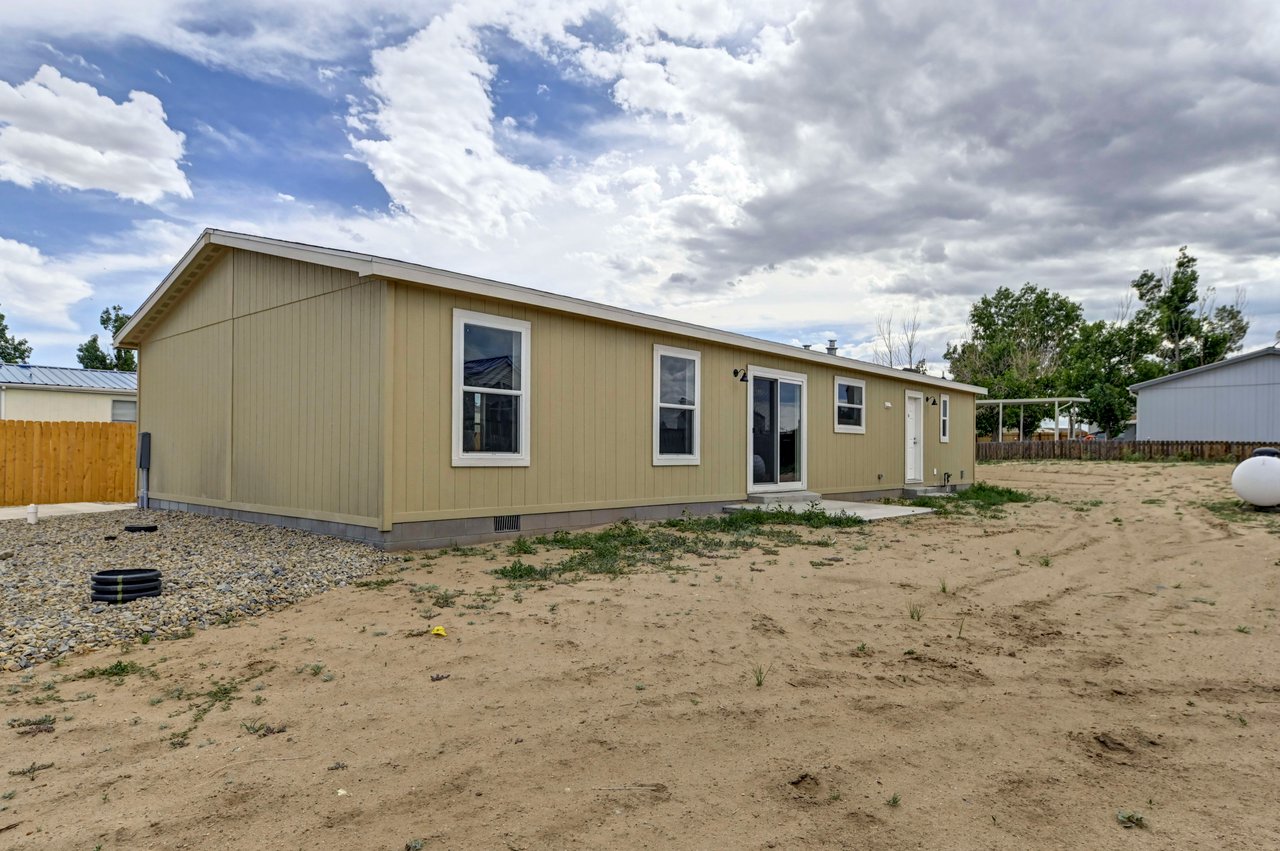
(410, 406)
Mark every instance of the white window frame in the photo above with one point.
(848, 429)
(944, 418)
(462, 318)
(660, 460)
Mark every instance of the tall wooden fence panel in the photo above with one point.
(50, 462)
(1117, 450)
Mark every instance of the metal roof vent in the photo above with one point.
(831, 346)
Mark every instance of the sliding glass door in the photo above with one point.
(777, 430)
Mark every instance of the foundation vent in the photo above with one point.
(507, 523)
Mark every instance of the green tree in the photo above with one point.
(1102, 362)
(91, 354)
(1191, 331)
(1016, 347)
(12, 349)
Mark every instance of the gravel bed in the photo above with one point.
(214, 570)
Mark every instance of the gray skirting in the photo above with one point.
(426, 534)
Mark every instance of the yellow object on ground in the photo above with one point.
(439, 630)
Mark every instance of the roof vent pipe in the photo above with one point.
(808, 346)
(831, 346)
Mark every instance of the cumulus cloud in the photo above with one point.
(59, 131)
(35, 290)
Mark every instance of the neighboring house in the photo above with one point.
(395, 403)
(60, 393)
(1237, 399)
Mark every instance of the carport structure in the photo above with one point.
(1057, 401)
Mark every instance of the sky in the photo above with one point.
(790, 169)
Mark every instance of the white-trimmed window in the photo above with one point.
(944, 418)
(677, 383)
(490, 390)
(851, 405)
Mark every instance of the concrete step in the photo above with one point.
(785, 497)
(922, 490)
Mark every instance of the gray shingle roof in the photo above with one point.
(61, 376)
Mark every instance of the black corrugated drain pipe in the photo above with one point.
(123, 586)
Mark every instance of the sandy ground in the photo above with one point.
(1119, 652)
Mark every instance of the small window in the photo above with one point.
(944, 418)
(490, 391)
(851, 406)
(124, 411)
(676, 384)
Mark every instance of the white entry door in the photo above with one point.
(915, 437)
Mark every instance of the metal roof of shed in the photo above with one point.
(1260, 353)
(62, 376)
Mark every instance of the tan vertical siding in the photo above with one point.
(276, 405)
(184, 393)
(592, 413)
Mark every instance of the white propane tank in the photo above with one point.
(1256, 480)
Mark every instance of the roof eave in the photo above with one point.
(68, 388)
(124, 338)
(369, 266)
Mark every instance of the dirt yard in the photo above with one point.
(1111, 649)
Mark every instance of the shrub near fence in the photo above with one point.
(1117, 450)
(51, 462)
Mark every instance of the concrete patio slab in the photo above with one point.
(865, 510)
(19, 512)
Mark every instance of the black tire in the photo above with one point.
(129, 576)
(123, 596)
(141, 527)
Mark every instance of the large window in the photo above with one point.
(490, 391)
(944, 418)
(676, 385)
(851, 406)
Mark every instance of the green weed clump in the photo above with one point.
(980, 497)
(626, 546)
(119, 668)
(759, 518)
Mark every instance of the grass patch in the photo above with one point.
(627, 546)
(755, 519)
(219, 695)
(1239, 511)
(980, 497)
(116, 670)
(375, 584)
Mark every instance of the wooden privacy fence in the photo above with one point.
(50, 462)
(1117, 450)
